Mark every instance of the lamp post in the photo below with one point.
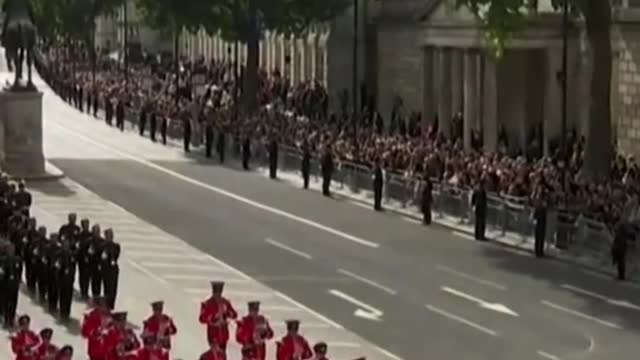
(564, 78)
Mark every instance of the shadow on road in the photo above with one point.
(557, 273)
(52, 187)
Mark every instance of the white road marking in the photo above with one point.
(367, 281)
(471, 277)
(313, 312)
(165, 255)
(483, 304)
(185, 266)
(364, 310)
(615, 302)
(546, 355)
(226, 193)
(411, 220)
(580, 315)
(143, 270)
(269, 308)
(461, 320)
(289, 249)
(464, 235)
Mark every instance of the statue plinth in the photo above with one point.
(21, 134)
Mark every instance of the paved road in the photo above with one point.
(421, 292)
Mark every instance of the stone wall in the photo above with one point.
(626, 86)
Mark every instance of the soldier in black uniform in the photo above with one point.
(12, 270)
(305, 166)
(6, 212)
(186, 134)
(427, 200)
(94, 250)
(31, 235)
(89, 101)
(108, 110)
(246, 150)
(208, 138)
(120, 114)
(142, 120)
(479, 203)
(32, 260)
(23, 198)
(52, 264)
(83, 259)
(540, 219)
(70, 230)
(164, 125)
(327, 172)
(109, 267)
(80, 98)
(96, 103)
(153, 124)
(378, 182)
(273, 157)
(41, 265)
(65, 274)
(221, 145)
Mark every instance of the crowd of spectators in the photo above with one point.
(405, 144)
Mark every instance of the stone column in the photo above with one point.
(490, 118)
(444, 86)
(313, 56)
(293, 56)
(457, 80)
(302, 66)
(429, 104)
(552, 97)
(470, 96)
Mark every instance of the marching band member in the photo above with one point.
(122, 342)
(25, 342)
(46, 350)
(252, 332)
(93, 319)
(97, 346)
(215, 312)
(293, 346)
(160, 325)
(215, 352)
(320, 351)
(152, 350)
(66, 353)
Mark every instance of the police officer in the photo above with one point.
(273, 157)
(305, 166)
(327, 171)
(221, 145)
(208, 138)
(246, 150)
(120, 114)
(89, 100)
(540, 219)
(427, 200)
(108, 110)
(109, 267)
(12, 270)
(83, 259)
(142, 120)
(80, 98)
(619, 248)
(378, 182)
(479, 203)
(186, 134)
(94, 249)
(52, 263)
(164, 124)
(153, 124)
(96, 102)
(65, 273)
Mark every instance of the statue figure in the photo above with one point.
(19, 40)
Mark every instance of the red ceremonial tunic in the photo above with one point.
(24, 345)
(213, 355)
(97, 346)
(122, 344)
(47, 351)
(251, 333)
(294, 347)
(152, 354)
(153, 324)
(91, 322)
(215, 313)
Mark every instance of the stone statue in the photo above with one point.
(19, 40)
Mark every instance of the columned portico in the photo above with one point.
(444, 96)
(471, 110)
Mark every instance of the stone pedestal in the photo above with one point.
(21, 130)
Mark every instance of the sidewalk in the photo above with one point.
(158, 266)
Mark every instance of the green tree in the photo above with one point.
(246, 20)
(502, 18)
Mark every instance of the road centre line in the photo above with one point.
(461, 320)
(546, 355)
(367, 281)
(580, 315)
(313, 312)
(470, 277)
(225, 193)
(288, 248)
